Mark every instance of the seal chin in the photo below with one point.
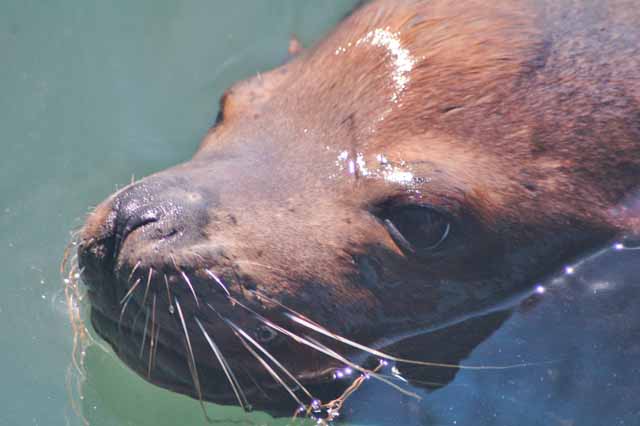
(186, 349)
(159, 361)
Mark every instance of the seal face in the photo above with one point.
(428, 159)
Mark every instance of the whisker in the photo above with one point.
(192, 359)
(319, 346)
(134, 324)
(146, 290)
(155, 348)
(152, 343)
(144, 333)
(307, 341)
(166, 283)
(271, 357)
(266, 366)
(218, 281)
(198, 255)
(233, 381)
(306, 322)
(130, 292)
(133, 271)
(188, 281)
(255, 383)
(280, 304)
(325, 332)
(122, 311)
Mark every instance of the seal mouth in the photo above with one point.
(152, 355)
(143, 316)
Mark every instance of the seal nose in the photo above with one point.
(133, 210)
(153, 211)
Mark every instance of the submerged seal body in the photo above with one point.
(426, 160)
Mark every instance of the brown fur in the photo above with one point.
(519, 74)
(519, 119)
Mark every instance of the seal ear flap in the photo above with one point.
(449, 345)
(295, 47)
(246, 95)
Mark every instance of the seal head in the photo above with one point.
(425, 161)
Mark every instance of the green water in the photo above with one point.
(92, 93)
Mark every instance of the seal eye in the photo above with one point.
(417, 229)
(265, 334)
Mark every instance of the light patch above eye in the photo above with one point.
(402, 60)
(398, 176)
(380, 168)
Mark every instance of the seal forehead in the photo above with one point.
(401, 58)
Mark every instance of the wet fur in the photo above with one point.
(521, 119)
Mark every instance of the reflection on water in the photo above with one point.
(580, 341)
(94, 92)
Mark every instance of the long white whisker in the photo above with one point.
(193, 291)
(192, 362)
(122, 311)
(133, 271)
(153, 337)
(346, 341)
(304, 321)
(333, 354)
(323, 349)
(218, 281)
(128, 294)
(144, 334)
(186, 279)
(235, 385)
(146, 290)
(271, 357)
(166, 284)
(264, 364)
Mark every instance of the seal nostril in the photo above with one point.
(132, 223)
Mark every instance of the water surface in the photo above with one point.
(94, 93)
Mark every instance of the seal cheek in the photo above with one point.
(368, 274)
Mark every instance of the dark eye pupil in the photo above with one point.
(417, 228)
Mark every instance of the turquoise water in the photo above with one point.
(92, 93)
(95, 92)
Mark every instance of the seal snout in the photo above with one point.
(155, 215)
